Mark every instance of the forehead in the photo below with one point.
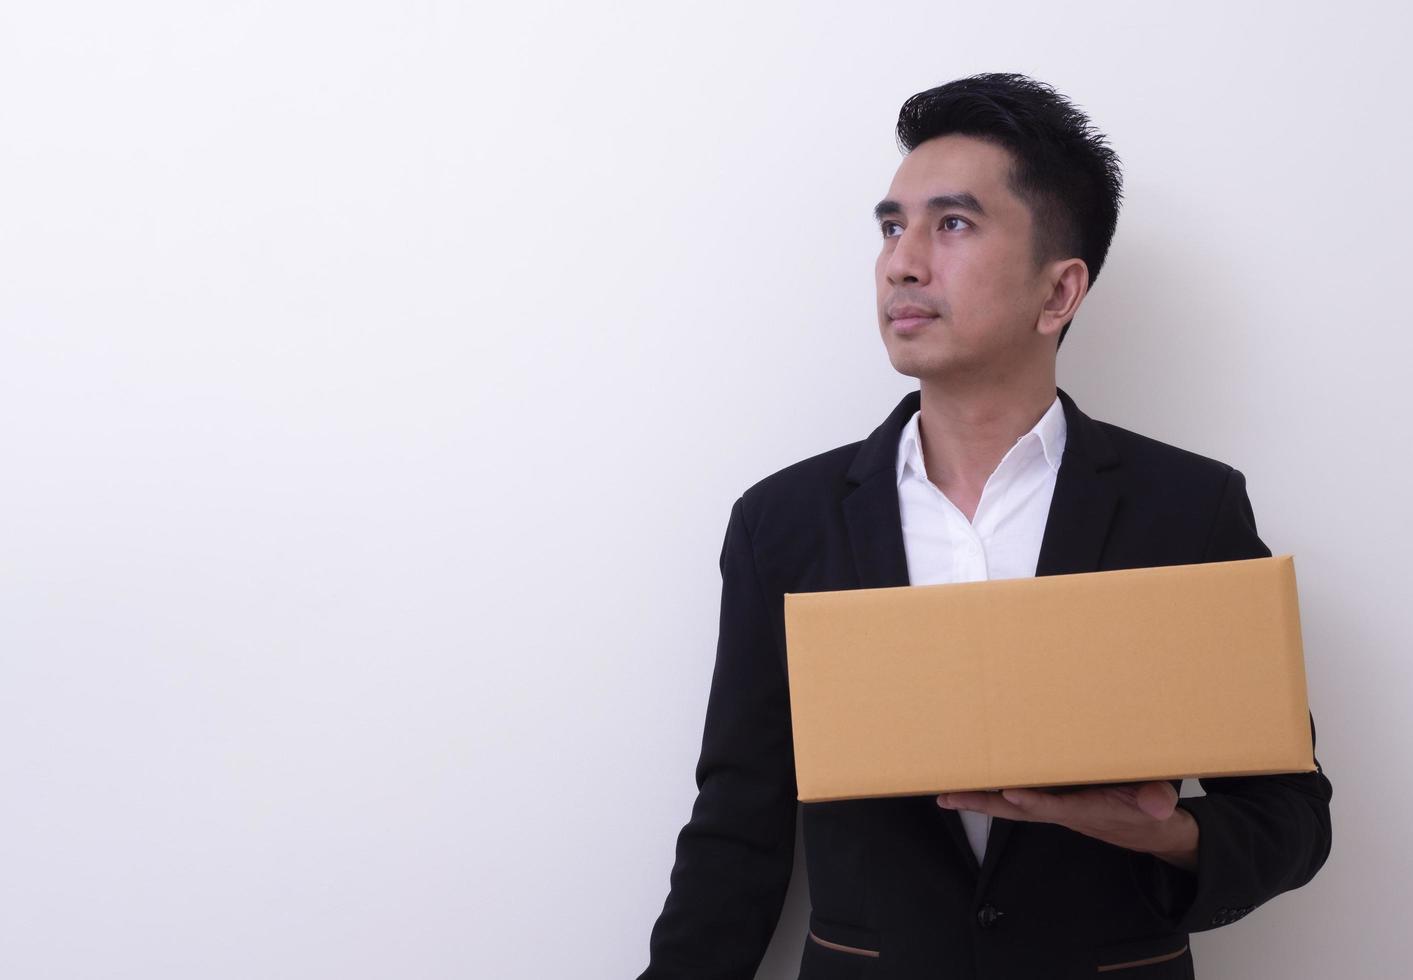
(955, 163)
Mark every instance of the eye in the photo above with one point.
(886, 225)
(953, 217)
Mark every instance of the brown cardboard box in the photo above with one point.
(1117, 676)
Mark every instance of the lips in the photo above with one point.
(910, 313)
(910, 324)
(906, 319)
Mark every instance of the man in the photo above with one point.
(993, 229)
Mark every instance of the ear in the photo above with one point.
(1069, 284)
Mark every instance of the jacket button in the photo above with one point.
(987, 915)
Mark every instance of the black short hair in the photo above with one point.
(1064, 169)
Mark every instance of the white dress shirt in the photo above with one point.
(1001, 541)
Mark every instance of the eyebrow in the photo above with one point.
(963, 200)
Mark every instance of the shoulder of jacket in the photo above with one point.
(799, 488)
(1144, 453)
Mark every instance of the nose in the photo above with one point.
(908, 263)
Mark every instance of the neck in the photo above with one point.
(966, 429)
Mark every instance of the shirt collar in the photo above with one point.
(1051, 431)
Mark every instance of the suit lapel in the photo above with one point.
(1081, 511)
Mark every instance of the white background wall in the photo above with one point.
(376, 380)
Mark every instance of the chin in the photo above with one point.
(914, 363)
(929, 365)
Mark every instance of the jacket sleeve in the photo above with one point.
(735, 854)
(1258, 835)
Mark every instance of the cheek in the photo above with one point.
(1016, 271)
(985, 303)
(1001, 285)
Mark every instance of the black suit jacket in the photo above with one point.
(895, 889)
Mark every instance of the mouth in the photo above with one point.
(909, 324)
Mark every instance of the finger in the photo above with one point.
(993, 803)
(1037, 804)
(1095, 806)
(1157, 799)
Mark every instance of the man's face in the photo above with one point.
(967, 263)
